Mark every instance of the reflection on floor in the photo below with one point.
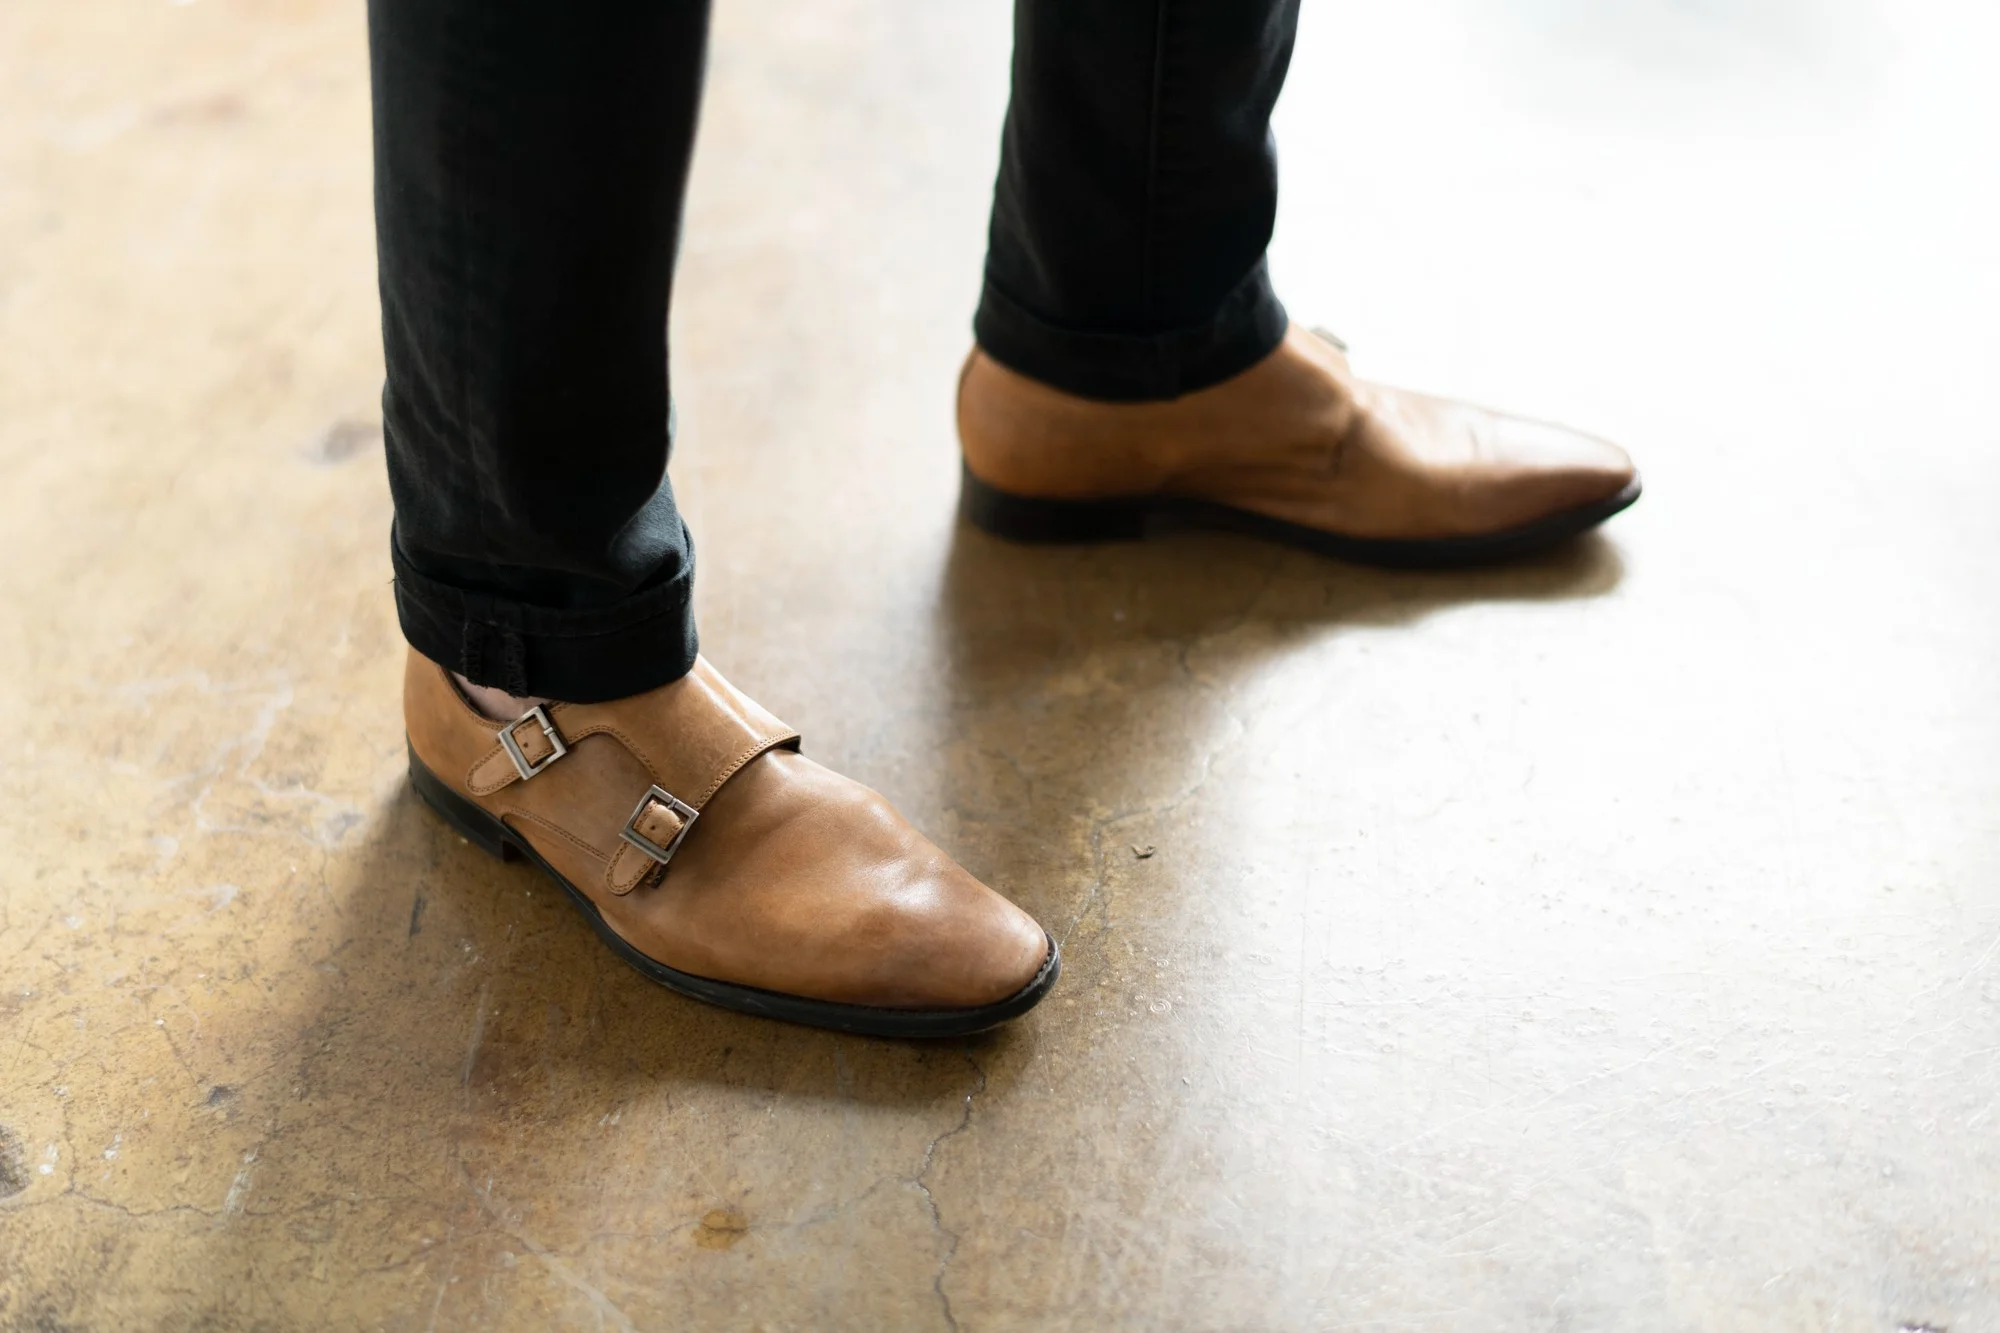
(1608, 942)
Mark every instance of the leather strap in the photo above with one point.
(691, 736)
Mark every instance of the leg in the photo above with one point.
(530, 161)
(1134, 371)
(1138, 184)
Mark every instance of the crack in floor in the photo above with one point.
(937, 1217)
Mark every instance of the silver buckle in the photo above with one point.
(645, 844)
(513, 747)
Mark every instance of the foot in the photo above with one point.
(1296, 448)
(720, 862)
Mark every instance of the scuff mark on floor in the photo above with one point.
(232, 1202)
(478, 1034)
(604, 1307)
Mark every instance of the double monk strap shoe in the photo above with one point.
(712, 856)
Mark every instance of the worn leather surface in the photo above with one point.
(1296, 437)
(792, 878)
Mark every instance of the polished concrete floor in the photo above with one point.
(1611, 942)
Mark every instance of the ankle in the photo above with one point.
(496, 704)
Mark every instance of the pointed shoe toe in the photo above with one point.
(1539, 470)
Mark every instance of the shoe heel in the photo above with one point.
(477, 827)
(1021, 518)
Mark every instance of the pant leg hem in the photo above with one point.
(1135, 367)
(638, 644)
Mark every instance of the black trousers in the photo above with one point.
(530, 162)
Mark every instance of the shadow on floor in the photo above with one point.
(1085, 687)
(1008, 609)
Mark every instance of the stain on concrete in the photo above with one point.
(213, 109)
(344, 439)
(720, 1228)
(13, 1164)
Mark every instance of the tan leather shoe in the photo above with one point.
(1296, 450)
(712, 856)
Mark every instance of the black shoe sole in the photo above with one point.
(493, 837)
(1133, 518)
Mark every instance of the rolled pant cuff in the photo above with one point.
(1135, 367)
(582, 657)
